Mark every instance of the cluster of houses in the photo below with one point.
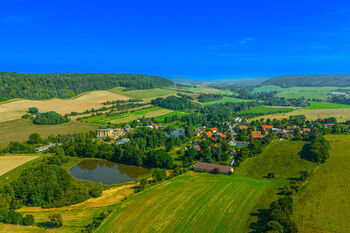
(114, 134)
(44, 148)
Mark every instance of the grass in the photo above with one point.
(130, 116)
(20, 129)
(298, 92)
(284, 160)
(171, 114)
(204, 90)
(324, 105)
(225, 99)
(144, 94)
(194, 202)
(14, 109)
(324, 204)
(267, 109)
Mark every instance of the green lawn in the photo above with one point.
(324, 204)
(225, 100)
(144, 94)
(297, 92)
(194, 202)
(323, 105)
(19, 130)
(268, 110)
(130, 116)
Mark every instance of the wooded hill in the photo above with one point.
(66, 85)
(339, 80)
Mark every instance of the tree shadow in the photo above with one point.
(305, 151)
(259, 225)
(45, 225)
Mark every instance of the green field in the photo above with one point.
(225, 100)
(130, 116)
(169, 115)
(324, 105)
(144, 94)
(19, 130)
(283, 159)
(324, 204)
(268, 110)
(194, 202)
(205, 90)
(298, 92)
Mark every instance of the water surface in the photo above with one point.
(107, 172)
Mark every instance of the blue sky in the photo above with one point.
(194, 39)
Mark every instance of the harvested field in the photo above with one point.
(225, 100)
(14, 109)
(9, 162)
(183, 204)
(324, 204)
(20, 129)
(144, 94)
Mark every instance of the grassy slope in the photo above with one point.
(297, 92)
(225, 100)
(19, 130)
(194, 202)
(284, 160)
(324, 204)
(322, 105)
(144, 94)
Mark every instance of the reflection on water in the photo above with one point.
(107, 172)
(176, 133)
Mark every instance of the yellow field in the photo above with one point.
(9, 162)
(16, 108)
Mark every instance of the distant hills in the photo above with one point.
(339, 80)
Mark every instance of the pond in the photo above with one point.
(176, 133)
(107, 172)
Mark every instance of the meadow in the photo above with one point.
(324, 204)
(144, 94)
(298, 92)
(325, 105)
(205, 90)
(194, 202)
(16, 108)
(225, 99)
(130, 116)
(268, 109)
(169, 115)
(20, 129)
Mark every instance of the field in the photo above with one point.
(19, 130)
(130, 116)
(268, 109)
(225, 100)
(194, 202)
(144, 94)
(324, 204)
(173, 113)
(205, 90)
(14, 109)
(298, 92)
(9, 162)
(324, 105)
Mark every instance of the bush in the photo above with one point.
(271, 175)
(28, 220)
(159, 174)
(96, 191)
(56, 220)
(216, 171)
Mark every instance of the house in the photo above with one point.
(257, 134)
(237, 120)
(221, 135)
(127, 128)
(267, 127)
(197, 148)
(43, 148)
(210, 167)
(104, 133)
(153, 126)
(240, 143)
(306, 130)
(243, 127)
(232, 142)
(208, 134)
(245, 121)
(214, 130)
(329, 125)
(233, 151)
(122, 141)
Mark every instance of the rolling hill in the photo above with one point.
(340, 80)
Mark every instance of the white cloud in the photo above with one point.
(247, 40)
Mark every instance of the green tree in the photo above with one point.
(159, 174)
(33, 110)
(34, 138)
(56, 220)
(28, 220)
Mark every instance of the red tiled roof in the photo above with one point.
(243, 127)
(209, 134)
(267, 126)
(211, 167)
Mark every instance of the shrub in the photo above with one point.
(28, 220)
(271, 175)
(56, 220)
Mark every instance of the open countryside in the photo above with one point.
(180, 205)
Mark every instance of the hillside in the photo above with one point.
(340, 80)
(65, 85)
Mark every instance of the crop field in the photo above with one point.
(298, 92)
(268, 109)
(205, 90)
(225, 99)
(324, 105)
(14, 109)
(324, 204)
(130, 116)
(194, 202)
(19, 130)
(169, 115)
(144, 94)
(9, 162)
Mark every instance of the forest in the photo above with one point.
(66, 85)
(339, 80)
(175, 103)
